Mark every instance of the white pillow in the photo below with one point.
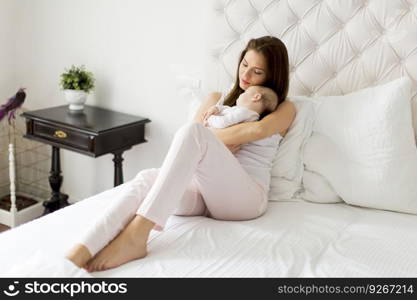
(363, 146)
(316, 187)
(287, 167)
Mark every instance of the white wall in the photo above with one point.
(129, 46)
(7, 46)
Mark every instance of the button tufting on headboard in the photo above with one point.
(335, 47)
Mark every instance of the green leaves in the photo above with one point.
(77, 78)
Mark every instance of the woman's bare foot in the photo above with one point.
(129, 245)
(79, 255)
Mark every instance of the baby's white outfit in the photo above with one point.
(228, 116)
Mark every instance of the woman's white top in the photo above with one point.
(255, 157)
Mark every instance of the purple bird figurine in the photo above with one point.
(12, 105)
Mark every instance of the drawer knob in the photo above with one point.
(60, 134)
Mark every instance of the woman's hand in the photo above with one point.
(211, 111)
(211, 100)
(233, 148)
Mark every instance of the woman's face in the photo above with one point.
(252, 69)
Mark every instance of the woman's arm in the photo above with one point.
(211, 100)
(276, 122)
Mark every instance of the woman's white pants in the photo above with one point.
(199, 176)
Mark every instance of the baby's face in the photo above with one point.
(249, 97)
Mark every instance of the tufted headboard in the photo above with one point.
(335, 46)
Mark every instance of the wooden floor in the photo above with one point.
(3, 227)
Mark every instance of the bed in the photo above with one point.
(295, 237)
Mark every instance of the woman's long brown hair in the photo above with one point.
(277, 74)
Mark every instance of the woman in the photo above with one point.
(199, 175)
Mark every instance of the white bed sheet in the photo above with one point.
(293, 239)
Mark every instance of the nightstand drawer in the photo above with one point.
(65, 136)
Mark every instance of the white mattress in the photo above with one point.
(293, 239)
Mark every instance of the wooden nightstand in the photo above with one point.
(94, 132)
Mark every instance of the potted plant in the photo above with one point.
(77, 82)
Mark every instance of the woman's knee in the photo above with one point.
(192, 128)
(148, 174)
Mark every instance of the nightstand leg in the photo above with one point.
(58, 199)
(118, 167)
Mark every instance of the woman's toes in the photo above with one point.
(100, 267)
(92, 266)
(88, 268)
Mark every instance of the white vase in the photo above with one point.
(76, 99)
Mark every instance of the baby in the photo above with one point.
(255, 157)
(249, 106)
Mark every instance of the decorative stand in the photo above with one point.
(21, 175)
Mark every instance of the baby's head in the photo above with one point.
(258, 98)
